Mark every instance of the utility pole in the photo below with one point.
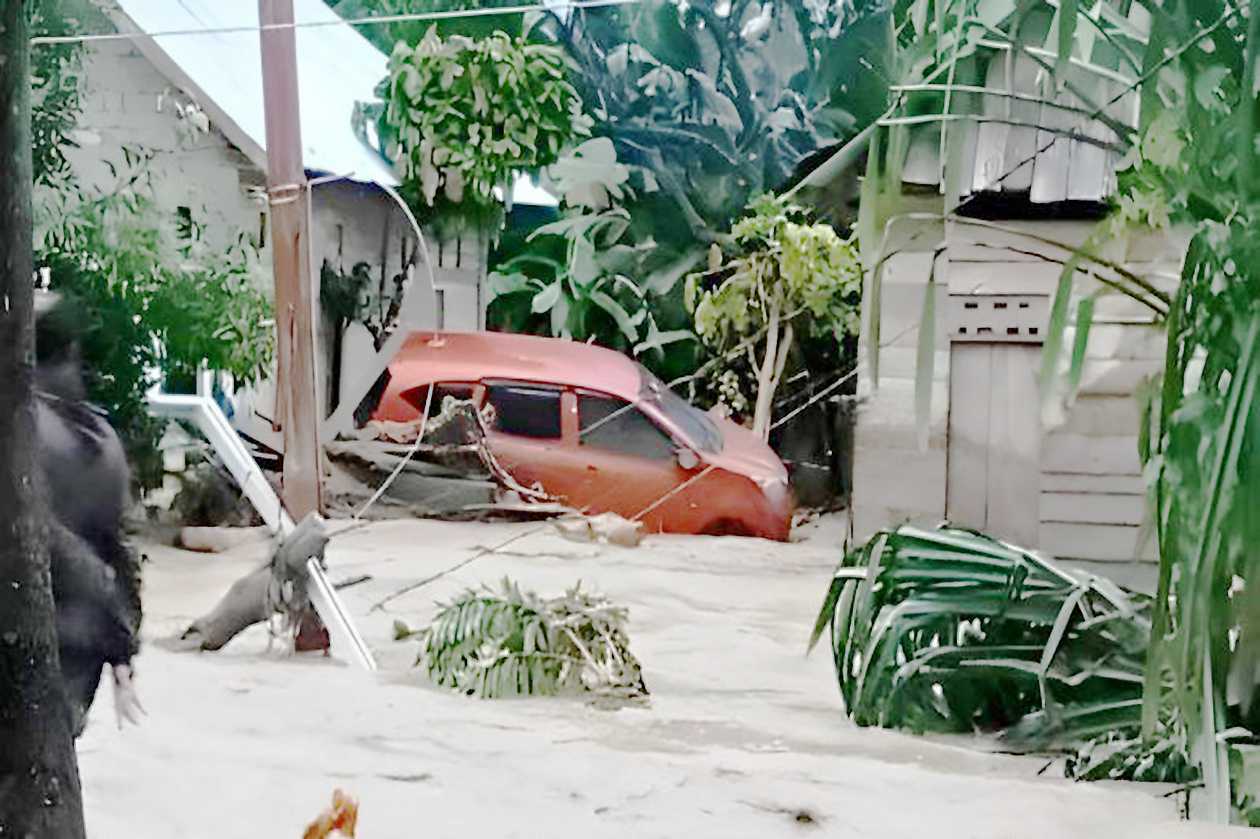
(289, 198)
(39, 775)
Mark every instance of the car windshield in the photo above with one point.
(699, 429)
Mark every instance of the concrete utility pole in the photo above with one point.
(39, 777)
(289, 198)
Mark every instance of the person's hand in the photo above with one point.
(126, 701)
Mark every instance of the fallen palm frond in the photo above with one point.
(952, 631)
(506, 642)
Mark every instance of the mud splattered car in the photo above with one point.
(598, 431)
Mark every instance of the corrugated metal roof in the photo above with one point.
(337, 67)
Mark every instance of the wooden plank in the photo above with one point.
(1089, 172)
(1082, 483)
(1050, 172)
(1133, 342)
(1021, 144)
(1092, 508)
(1112, 307)
(961, 180)
(961, 240)
(967, 470)
(1094, 541)
(991, 137)
(1102, 416)
(923, 163)
(1115, 455)
(1116, 377)
(1014, 457)
(1002, 276)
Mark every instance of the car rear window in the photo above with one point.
(526, 410)
(615, 425)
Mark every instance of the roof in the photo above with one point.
(475, 356)
(337, 67)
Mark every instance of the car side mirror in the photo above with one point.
(687, 459)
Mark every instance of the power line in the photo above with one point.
(453, 14)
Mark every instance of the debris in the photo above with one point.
(506, 642)
(277, 587)
(451, 472)
(220, 539)
(341, 818)
(607, 527)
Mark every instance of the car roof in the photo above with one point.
(478, 356)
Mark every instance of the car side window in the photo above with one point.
(417, 396)
(526, 410)
(615, 425)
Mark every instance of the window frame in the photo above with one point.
(488, 385)
(666, 433)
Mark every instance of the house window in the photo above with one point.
(526, 410)
(184, 223)
(617, 426)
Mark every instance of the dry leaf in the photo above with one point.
(340, 818)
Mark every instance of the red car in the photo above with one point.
(598, 431)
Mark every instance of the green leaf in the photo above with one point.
(1084, 321)
(545, 300)
(1067, 34)
(619, 314)
(872, 247)
(1207, 86)
(1053, 345)
(659, 340)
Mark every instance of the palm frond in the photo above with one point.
(503, 642)
(950, 630)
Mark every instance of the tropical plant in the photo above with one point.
(785, 277)
(720, 102)
(579, 277)
(55, 88)
(152, 302)
(508, 642)
(462, 117)
(952, 631)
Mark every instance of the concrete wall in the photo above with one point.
(128, 103)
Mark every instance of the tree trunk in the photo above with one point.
(778, 343)
(39, 776)
(279, 586)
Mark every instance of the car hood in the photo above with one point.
(746, 453)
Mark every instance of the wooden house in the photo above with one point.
(991, 212)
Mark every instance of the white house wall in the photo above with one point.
(128, 103)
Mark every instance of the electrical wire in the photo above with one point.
(452, 14)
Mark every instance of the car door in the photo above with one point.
(527, 433)
(631, 464)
